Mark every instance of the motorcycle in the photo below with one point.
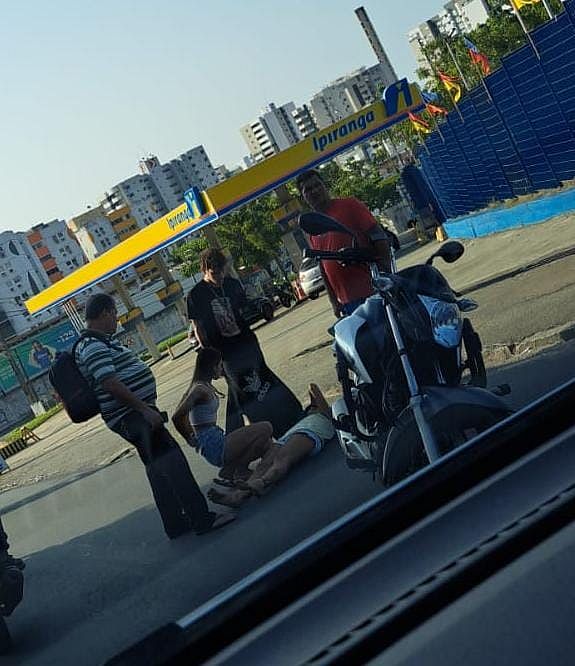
(283, 291)
(410, 367)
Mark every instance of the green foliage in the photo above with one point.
(496, 38)
(34, 423)
(363, 181)
(172, 341)
(186, 256)
(250, 234)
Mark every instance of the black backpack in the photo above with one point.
(77, 395)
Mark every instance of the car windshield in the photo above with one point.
(184, 395)
(308, 264)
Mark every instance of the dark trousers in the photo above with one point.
(179, 500)
(4, 546)
(254, 390)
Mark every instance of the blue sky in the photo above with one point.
(88, 88)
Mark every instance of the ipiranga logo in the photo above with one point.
(342, 131)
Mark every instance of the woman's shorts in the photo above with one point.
(210, 444)
(316, 426)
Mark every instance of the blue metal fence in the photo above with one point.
(515, 135)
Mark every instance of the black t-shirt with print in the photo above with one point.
(217, 309)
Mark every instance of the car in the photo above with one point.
(258, 308)
(311, 278)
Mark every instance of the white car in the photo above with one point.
(310, 278)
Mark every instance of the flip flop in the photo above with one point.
(226, 500)
(226, 483)
(220, 520)
(260, 490)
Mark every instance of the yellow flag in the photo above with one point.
(452, 85)
(522, 3)
(419, 124)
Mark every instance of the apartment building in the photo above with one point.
(458, 17)
(22, 275)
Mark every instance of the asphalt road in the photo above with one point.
(100, 573)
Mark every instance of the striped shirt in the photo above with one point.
(97, 361)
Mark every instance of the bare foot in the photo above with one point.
(317, 401)
(234, 499)
(257, 486)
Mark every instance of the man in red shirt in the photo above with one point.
(347, 286)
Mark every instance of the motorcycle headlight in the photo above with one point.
(446, 322)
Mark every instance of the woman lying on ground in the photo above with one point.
(196, 417)
(307, 437)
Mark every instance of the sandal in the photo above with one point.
(226, 483)
(218, 520)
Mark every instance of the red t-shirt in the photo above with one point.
(352, 282)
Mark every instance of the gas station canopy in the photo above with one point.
(203, 208)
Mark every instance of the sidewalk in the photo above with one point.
(491, 258)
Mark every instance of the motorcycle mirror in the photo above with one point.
(449, 252)
(316, 224)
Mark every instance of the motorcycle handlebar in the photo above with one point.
(348, 254)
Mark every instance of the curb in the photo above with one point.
(514, 272)
(501, 352)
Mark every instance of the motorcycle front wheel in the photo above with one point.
(404, 453)
(5, 638)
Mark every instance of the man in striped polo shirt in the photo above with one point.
(126, 391)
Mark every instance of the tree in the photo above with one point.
(363, 181)
(497, 37)
(186, 256)
(250, 234)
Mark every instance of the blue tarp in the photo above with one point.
(500, 219)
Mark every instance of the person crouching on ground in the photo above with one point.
(306, 438)
(126, 391)
(196, 420)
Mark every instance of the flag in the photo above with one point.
(478, 58)
(419, 124)
(429, 97)
(522, 3)
(452, 85)
(436, 110)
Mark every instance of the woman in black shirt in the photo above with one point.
(214, 307)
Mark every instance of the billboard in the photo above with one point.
(39, 351)
(8, 379)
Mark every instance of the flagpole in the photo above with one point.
(395, 149)
(436, 125)
(548, 9)
(436, 74)
(482, 79)
(422, 143)
(522, 24)
(459, 70)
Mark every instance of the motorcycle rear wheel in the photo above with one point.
(404, 453)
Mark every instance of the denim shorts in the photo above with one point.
(316, 426)
(211, 442)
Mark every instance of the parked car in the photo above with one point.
(310, 278)
(258, 308)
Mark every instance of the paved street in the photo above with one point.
(77, 506)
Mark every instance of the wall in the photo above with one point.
(518, 132)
